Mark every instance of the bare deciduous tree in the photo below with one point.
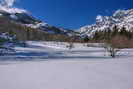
(115, 44)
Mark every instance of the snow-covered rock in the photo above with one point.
(6, 36)
(6, 43)
(12, 10)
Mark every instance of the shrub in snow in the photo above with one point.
(7, 37)
(114, 45)
(118, 42)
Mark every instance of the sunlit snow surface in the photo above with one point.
(50, 65)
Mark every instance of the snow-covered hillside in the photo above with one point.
(19, 15)
(121, 18)
(25, 18)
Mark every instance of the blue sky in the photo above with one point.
(72, 14)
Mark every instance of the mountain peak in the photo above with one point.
(99, 18)
(121, 18)
(24, 18)
(12, 10)
(8, 7)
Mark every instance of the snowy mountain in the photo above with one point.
(19, 15)
(24, 18)
(121, 18)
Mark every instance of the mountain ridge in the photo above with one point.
(25, 18)
(121, 18)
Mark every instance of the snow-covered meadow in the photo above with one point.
(41, 51)
(50, 65)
